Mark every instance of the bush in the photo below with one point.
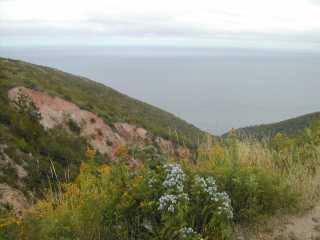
(167, 203)
(73, 126)
(253, 177)
(255, 193)
(116, 203)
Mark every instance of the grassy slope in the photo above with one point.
(29, 145)
(106, 102)
(288, 127)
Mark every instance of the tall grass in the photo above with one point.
(296, 161)
(192, 200)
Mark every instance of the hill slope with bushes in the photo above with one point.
(48, 118)
(98, 98)
(288, 127)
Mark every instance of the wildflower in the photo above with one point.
(83, 167)
(217, 151)
(174, 177)
(91, 153)
(209, 186)
(173, 183)
(151, 181)
(168, 202)
(104, 169)
(121, 151)
(142, 205)
(125, 194)
(188, 232)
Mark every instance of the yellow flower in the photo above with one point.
(121, 151)
(83, 167)
(142, 205)
(9, 221)
(91, 153)
(104, 169)
(217, 151)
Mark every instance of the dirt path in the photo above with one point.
(300, 227)
(305, 227)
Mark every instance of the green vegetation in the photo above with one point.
(81, 195)
(28, 144)
(288, 127)
(232, 182)
(162, 201)
(37, 150)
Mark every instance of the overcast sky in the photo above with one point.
(284, 24)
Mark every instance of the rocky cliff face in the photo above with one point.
(56, 111)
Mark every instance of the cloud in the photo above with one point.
(283, 21)
(316, 2)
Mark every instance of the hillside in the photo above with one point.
(288, 127)
(48, 118)
(111, 105)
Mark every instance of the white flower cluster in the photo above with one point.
(168, 202)
(187, 232)
(151, 182)
(226, 204)
(209, 186)
(174, 191)
(174, 185)
(174, 177)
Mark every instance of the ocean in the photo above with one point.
(213, 88)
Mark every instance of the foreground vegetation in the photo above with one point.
(231, 182)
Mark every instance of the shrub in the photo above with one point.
(74, 126)
(253, 176)
(115, 203)
(168, 203)
(255, 193)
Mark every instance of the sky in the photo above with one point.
(278, 24)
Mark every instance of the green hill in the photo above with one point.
(30, 154)
(288, 127)
(105, 101)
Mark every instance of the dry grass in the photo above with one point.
(303, 175)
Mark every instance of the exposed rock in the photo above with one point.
(56, 111)
(183, 152)
(165, 145)
(5, 160)
(21, 172)
(168, 147)
(133, 134)
(13, 197)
